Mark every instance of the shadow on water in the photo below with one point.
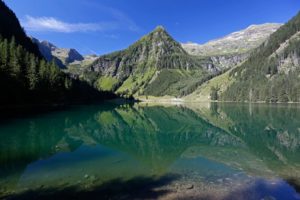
(136, 188)
(262, 189)
(295, 183)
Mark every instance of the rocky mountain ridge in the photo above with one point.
(233, 49)
(61, 56)
(155, 59)
(157, 65)
(271, 74)
(238, 42)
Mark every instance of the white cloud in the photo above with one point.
(52, 24)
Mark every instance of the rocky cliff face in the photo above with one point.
(234, 48)
(158, 50)
(222, 62)
(287, 55)
(67, 56)
(271, 74)
(234, 43)
(155, 61)
(61, 56)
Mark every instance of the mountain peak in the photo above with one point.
(265, 25)
(159, 28)
(49, 45)
(235, 43)
(160, 43)
(156, 56)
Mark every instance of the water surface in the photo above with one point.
(200, 151)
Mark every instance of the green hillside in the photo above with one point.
(155, 65)
(272, 73)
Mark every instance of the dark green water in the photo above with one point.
(217, 151)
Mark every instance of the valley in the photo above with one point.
(99, 101)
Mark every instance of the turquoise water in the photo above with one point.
(140, 151)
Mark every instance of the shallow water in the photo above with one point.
(200, 151)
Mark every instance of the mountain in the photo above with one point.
(271, 74)
(46, 52)
(61, 56)
(235, 43)
(157, 65)
(234, 48)
(10, 27)
(76, 68)
(154, 65)
(26, 78)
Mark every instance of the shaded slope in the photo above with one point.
(10, 27)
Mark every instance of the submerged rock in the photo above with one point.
(189, 186)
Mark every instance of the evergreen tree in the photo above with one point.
(4, 55)
(53, 74)
(25, 77)
(43, 70)
(214, 93)
(32, 73)
(14, 64)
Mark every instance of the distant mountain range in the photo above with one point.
(270, 74)
(258, 64)
(235, 43)
(234, 48)
(61, 56)
(157, 65)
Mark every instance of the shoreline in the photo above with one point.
(168, 99)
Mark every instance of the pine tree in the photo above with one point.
(53, 74)
(4, 55)
(43, 70)
(283, 96)
(14, 64)
(32, 73)
(68, 83)
(214, 93)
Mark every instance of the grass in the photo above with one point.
(172, 82)
(202, 93)
(106, 83)
(136, 82)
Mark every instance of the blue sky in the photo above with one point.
(103, 26)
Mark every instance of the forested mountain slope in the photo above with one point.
(10, 26)
(25, 77)
(272, 73)
(155, 65)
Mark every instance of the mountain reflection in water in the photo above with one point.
(213, 151)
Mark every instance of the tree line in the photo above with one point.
(27, 78)
(263, 77)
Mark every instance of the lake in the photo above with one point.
(148, 151)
